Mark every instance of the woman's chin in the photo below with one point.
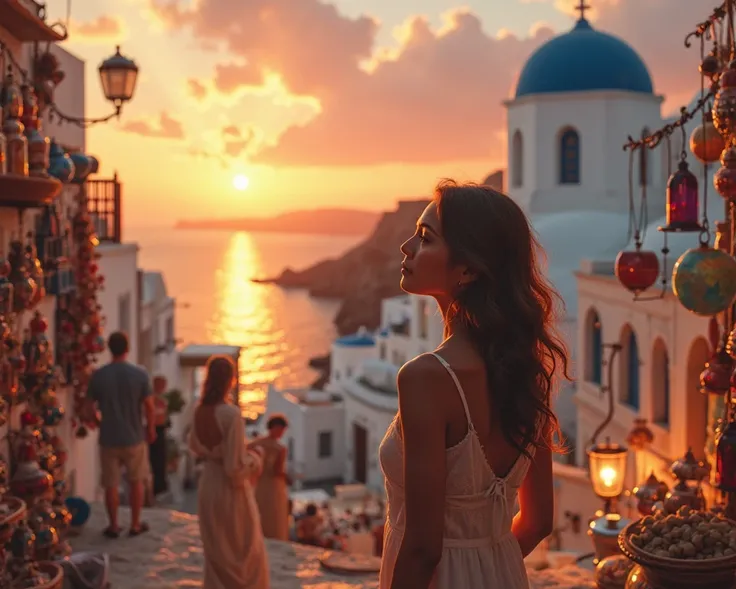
(406, 285)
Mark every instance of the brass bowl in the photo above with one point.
(675, 573)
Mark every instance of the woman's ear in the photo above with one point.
(468, 276)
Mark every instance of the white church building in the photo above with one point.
(577, 99)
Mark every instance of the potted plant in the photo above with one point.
(173, 455)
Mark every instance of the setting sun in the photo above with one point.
(241, 182)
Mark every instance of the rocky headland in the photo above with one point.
(364, 275)
(370, 271)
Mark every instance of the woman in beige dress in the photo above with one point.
(475, 429)
(234, 550)
(271, 491)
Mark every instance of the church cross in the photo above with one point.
(581, 8)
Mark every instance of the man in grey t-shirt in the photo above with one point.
(122, 393)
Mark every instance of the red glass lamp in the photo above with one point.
(637, 270)
(682, 201)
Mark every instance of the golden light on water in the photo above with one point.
(243, 318)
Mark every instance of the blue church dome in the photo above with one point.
(581, 61)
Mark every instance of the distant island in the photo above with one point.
(317, 221)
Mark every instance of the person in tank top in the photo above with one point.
(475, 430)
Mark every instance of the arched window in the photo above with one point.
(644, 162)
(517, 160)
(570, 157)
(661, 384)
(629, 369)
(594, 348)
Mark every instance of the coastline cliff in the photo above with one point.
(364, 275)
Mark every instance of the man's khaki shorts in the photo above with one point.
(133, 458)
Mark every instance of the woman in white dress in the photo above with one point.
(475, 428)
(234, 549)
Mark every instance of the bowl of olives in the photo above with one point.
(682, 550)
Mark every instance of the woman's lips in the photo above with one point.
(404, 270)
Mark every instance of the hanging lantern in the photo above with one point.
(724, 104)
(726, 459)
(724, 179)
(118, 76)
(682, 201)
(704, 280)
(637, 270)
(716, 378)
(706, 143)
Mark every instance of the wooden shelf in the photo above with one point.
(27, 191)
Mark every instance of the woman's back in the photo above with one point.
(229, 523)
(478, 546)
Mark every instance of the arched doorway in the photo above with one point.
(696, 404)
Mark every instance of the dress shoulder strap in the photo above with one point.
(455, 379)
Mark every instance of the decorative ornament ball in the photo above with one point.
(724, 180)
(724, 108)
(710, 66)
(706, 143)
(704, 280)
(612, 572)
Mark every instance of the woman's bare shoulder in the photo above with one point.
(422, 379)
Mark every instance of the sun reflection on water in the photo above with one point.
(267, 322)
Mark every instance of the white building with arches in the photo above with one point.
(577, 99)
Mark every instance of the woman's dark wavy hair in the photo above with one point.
(219, 380)
(508, 310)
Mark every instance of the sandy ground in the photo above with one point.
(170, 557)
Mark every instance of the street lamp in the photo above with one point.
(608, 470)
(607, 461)
(118, 76)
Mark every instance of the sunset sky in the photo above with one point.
(352, 103)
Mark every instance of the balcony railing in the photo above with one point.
(104, 204)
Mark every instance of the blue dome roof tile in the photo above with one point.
(584, 60)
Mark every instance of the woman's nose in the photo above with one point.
(405, 247)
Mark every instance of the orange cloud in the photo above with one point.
(438, 97)
(196, 89)
(235, 141)
(103, 28)
(165, 127)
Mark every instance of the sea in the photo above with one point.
(210, 273)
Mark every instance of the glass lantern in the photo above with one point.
(608, 469)
(682, 201)
(118, 76)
